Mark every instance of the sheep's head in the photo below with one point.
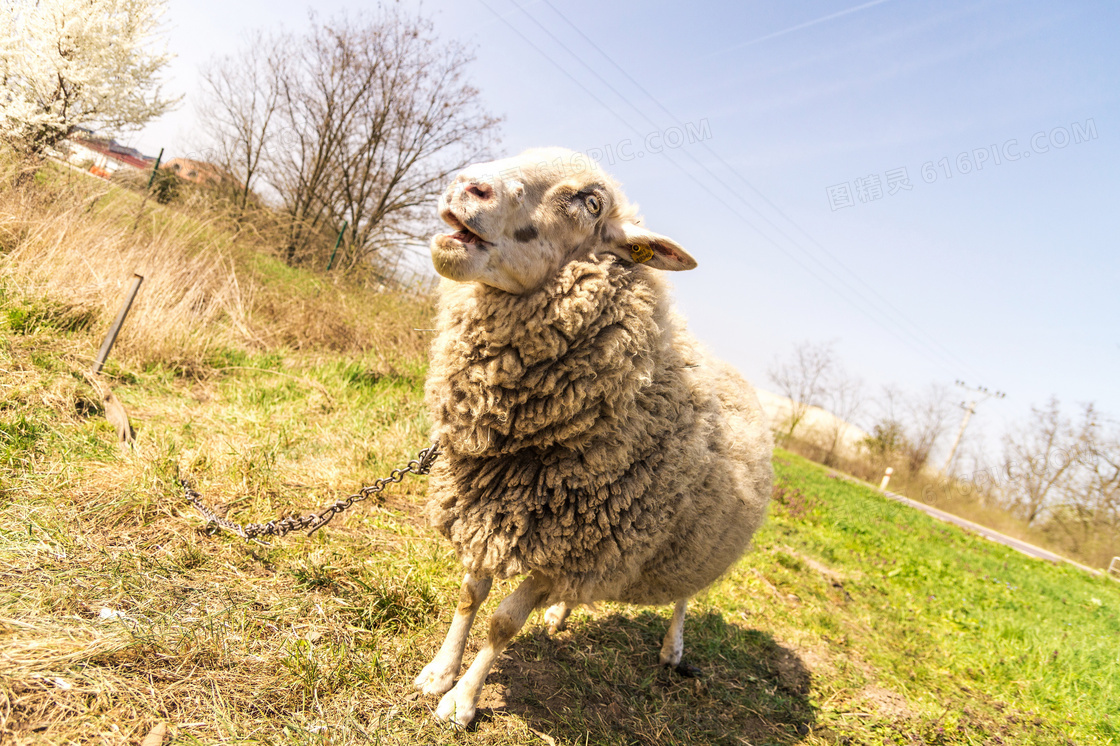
(519, 220)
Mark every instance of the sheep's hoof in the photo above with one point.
(456, 707)
(687, 670)
(671, 653)
(557, 618)
(436, 678)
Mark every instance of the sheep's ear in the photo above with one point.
(636, 244)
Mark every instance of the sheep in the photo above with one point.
(588, 441)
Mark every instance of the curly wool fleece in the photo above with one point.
(587, 437)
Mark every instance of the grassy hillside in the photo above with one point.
(854, 620)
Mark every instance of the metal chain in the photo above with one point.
(422, 464)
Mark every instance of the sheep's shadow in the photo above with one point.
(600, 680)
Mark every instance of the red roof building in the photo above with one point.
(103, 157)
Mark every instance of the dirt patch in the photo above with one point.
(832, 575)
(817, 661)
(882, 702)
(532, 687)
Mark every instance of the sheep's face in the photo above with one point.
(519, 220)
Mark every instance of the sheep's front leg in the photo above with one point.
(459, 704)
(673, 646)
(438, 676)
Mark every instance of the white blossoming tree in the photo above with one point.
(65, 63)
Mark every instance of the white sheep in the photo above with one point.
(588, 441)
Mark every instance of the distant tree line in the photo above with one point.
(1062, 472)
(1057, 474)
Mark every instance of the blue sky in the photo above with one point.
(998, 264)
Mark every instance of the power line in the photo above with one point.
(943, 357)
(854, 302)
(683, 170)
(866, 286)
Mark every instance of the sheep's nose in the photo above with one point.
(482, 191)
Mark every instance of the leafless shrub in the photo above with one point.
(803, 378)
(1064, 471)
(844, 398)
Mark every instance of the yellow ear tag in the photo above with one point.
(640, 253)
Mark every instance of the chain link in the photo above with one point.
(422, 464)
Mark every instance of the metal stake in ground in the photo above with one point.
(114, 410)
(155, 168)
(115, 329)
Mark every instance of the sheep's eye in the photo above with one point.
(592, 203)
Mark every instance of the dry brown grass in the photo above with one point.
(81, 259)
(70, 244)
(118, 611)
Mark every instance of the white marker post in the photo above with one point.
(886, 478)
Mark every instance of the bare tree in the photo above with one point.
(844, 398)
(416, 126)
(1087, 501)
(371, 115)
(1040, 458)
(1103, 484)
(927, 416)
(1106, 481)
(239, 105)
(319, 99)
(802, 379)
(909, 425)
(887, 439)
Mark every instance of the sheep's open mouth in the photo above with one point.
(462, 234)
(465, 236)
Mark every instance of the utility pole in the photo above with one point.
(980, 393)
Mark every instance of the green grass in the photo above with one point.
(980, 641)
(853, 620)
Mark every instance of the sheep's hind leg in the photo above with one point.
(438, 676)
(557, 617)
(672, 648)
(459, 704)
